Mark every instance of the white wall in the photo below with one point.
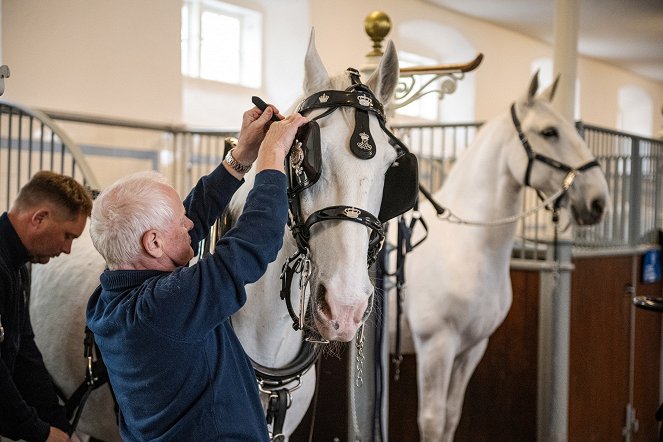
(121, 58)
(116, 58)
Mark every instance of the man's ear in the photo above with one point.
(151, 241)
(39, 216)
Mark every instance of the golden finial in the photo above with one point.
(377, 25)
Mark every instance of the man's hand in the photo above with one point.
(278, 141)
(57, 435)
(255, 124)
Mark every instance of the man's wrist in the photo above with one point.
(234, 164)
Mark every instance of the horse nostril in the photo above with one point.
(598, 205)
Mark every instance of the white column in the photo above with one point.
(555, 291)
(565, 58)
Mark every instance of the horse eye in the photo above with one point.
(550, 132)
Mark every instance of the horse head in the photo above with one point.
(552, 156)
(356, 151)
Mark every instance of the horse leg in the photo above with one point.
(435, 358)
(462, 371)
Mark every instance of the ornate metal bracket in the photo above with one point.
(415, 82)
(4, 73)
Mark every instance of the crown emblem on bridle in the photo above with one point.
(351, 212)
(364, 144)
(365, 100)
(323, 98)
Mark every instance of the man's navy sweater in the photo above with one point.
(174, 362)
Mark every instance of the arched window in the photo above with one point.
(635, 112)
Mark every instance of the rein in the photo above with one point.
(448, 215)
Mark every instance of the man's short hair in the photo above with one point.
(61, 190)
(127, 209)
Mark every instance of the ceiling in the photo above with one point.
(626, 33)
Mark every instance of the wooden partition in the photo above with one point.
(614, 360)
(615, 351)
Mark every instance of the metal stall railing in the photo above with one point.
(633, 166)
(182, 154)
(97, 151)
(30, 141)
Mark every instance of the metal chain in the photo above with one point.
(305, 270)
(359, 358)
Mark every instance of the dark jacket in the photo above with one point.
(28, 403)
(176, 366)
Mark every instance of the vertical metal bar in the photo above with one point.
(19, 147)
(52, 150)
(635, 193)
(30, 127)
(656, 166)
(41, 146)
(2, 111)
(9, 154)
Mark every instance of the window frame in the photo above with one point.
(249, 69)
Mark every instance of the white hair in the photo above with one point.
(126, 210)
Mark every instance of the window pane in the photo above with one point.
(219, 47)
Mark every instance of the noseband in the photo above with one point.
(533, 156)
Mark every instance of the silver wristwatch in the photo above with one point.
(232, 162)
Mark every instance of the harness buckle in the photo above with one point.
(568, 179)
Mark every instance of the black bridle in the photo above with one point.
(362, 99)
(533, 156)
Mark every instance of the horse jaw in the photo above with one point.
(588, 197)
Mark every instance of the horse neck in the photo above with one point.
(481, 187)
(263, 324)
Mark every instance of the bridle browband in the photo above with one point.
(533, 156)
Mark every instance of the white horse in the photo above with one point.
(458, 286)
(339, 281)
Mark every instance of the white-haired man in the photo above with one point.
(176, 367)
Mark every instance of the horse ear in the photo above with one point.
(549, 92)
(533, 87)
(385, 78)
(316, 77)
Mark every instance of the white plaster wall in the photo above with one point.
(118, 58)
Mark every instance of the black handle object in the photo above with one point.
(262, 106)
